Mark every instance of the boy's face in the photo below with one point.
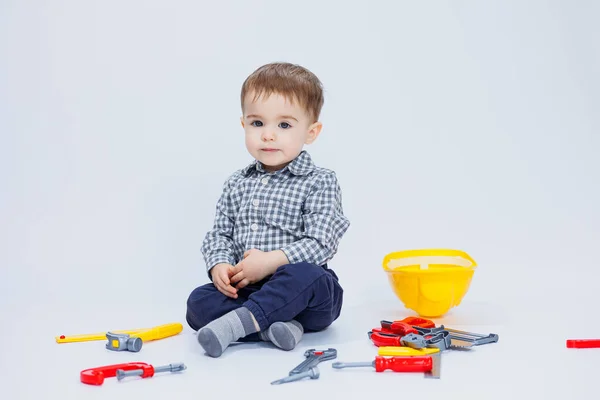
(276, 130)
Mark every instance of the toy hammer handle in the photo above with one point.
(160, 332)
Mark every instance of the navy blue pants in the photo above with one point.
(308, 293)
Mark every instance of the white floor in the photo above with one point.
(530, 360)
(469, 125)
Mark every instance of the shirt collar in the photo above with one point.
(301, 165)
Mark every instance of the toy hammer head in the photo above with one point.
(123, 342)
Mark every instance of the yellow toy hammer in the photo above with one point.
(130, 340)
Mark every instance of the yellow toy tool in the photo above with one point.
(405, 351)
(130, 340)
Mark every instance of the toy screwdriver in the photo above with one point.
(396, 364)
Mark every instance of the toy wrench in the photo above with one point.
(314, 357)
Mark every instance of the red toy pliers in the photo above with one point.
(391, 333)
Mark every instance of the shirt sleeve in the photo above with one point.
(218, 246)
(324, 224)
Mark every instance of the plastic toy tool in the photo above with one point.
(311, 372)
(428, 364)
(583, 343)
(158, 332)
(308, 367)
(96, 376)
(313, 358)
(130, 340)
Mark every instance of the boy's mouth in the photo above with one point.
(269, 149)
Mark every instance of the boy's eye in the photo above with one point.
(284, 125)
(256, 123)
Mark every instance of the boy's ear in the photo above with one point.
(313, 132)
(242, 120)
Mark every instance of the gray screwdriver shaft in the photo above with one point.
(170, 368)
(353, 364)
(133, 372)
(163, 368)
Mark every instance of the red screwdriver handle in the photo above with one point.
(404, 364)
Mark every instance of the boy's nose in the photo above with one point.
(268, 136)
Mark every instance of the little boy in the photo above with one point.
(278, 223)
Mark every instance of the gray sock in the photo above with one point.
(220, 333)
(284, 335)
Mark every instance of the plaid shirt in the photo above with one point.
(297, 210)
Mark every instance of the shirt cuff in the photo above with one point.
(217, 259)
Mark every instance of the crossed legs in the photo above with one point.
(298, 297)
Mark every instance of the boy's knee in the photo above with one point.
(304, 269)
(319, 321)
(196, 316)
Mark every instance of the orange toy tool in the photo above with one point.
(418, 321)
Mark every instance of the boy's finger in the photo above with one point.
(237, 277)
(231, 272)
(219, 286)
(222, 287)
(224, 278)
(234, 270)
(226, 291)
(243, 283)
(227, 286)
(218, 282)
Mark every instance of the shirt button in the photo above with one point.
(254, 227)
(255, 202)
(265, 180)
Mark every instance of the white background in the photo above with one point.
(463, 124)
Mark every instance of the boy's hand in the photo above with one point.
(221, 274)
(256, 265)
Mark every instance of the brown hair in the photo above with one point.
(292, 81)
